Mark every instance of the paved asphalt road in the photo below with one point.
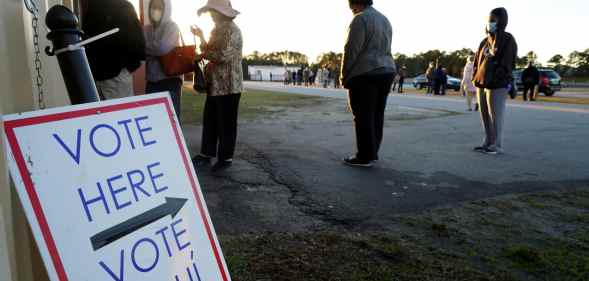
(424, 163)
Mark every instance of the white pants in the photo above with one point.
(116, 88)
(470, 97)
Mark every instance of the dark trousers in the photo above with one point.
(219, 132)
(529, 88)
(368, 99)
(401, 82)
(437, 88)
(173, 86)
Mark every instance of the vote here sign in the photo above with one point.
(110, 193)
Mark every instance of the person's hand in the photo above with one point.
(196, 31)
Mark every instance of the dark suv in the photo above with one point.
(549, 81)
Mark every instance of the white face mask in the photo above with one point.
(492, 27)
(156, 15)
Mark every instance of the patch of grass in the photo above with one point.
(253, 104)
(576, 90)
(524, 257)
(557, 262)
(328, 256)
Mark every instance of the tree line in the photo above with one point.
(575, 65)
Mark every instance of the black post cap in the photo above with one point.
(61, 19)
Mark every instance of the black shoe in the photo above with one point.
(201, 160)
(480, 149)
(221, 165)
(355, 162)
(490, 151)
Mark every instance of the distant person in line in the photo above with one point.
(493, 66)
(438, 77)
(270, 76)
(530, 80)
(113, 59)
(395, 83)
(402, 75)
(306, 77)
(300, 77)
(367, 72)
(468, 89)
(294, 78)
(337, 79)
(318, 77)
(161, 37)
(444, 81)
(429, 75)
(224, 74)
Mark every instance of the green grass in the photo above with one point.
(328, 256)
(253, 104)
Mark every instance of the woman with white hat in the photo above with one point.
(224, 76)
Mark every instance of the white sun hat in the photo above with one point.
(222, 6)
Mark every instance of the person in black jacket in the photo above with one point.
(530, 79)
(493, 67)
(114, 58)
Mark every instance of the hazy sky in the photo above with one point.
(314, 26)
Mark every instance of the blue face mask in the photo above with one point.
(492, 27)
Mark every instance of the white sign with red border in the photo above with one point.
(111, 194)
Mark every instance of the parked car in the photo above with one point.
(550, 81)
(420, 82)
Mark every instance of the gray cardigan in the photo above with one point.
(368, 47)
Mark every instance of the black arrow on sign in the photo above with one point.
(171, 207)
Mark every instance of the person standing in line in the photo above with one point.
(395, 83)
(438, 77)
(113, 59)
(443, 81)
(429, 75)
(326, 77)
(467, 87)
(367, 72)
(338, 77)
(161, 37)
(224, 75)
(270, 76)
(286, 74)
(402, 75)
(530, 79)
(306, 77)
(294, 78)
(493, 66)
(318, 77)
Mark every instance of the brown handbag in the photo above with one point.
(180, 60)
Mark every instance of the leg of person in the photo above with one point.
(497, 104)
(485, 118)
(362, 96)
(228, 136)
(469, 97)
(473, 99)
(401, 82)
(173, 86)
(381, 105)
(525, 94)
(117, 87)
(210, 134)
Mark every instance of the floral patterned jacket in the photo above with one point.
(224, 72)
